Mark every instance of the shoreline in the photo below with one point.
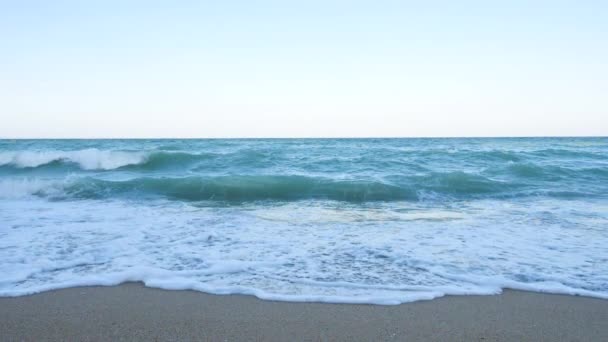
(133, 312)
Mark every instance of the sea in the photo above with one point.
(375, 221)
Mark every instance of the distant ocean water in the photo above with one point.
(381, 221)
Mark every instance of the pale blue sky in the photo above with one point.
(306, 68)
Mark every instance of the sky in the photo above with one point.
(214, 69)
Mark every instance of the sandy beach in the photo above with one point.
(134, 312)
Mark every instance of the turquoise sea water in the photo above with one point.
(342, 220)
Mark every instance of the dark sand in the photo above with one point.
(133, 312)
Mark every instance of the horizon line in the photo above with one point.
(310, 138)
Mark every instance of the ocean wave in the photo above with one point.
(107, 160)
(567, 153)
(463, 183)
(451, 185)
(166, 160)
(382, 162)
(548, 172)
(516, 180)
(241, 188)
(27, 187)
(88, 159)
(222, 188)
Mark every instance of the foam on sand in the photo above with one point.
(383, 257)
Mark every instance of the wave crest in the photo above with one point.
(243, 188)
(89, 159)
(266, 187)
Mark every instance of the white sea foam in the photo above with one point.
(388, 254)
(14, 188)
(88, 159)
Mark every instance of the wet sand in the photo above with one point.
(133, 312)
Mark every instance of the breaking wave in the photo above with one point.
(238, 188)
(89, 159)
